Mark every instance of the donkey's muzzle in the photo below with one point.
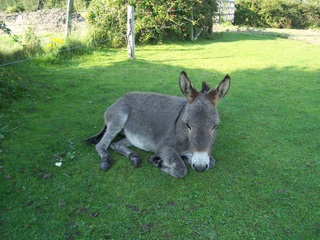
(200, 168)
(200, 161)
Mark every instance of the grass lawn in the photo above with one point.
(264, 186)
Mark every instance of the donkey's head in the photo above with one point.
(201, 118)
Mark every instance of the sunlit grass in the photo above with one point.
(265, 184)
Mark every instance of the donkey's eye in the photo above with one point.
(214, 127)
(188, 126)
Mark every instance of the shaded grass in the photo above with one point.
(266, 182)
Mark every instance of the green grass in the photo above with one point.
(264, 186)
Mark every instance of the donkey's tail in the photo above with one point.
(96, 138)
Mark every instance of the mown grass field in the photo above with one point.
(264, 186)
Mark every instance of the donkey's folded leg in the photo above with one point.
(122, 148)
(169, 161)
(212, 162)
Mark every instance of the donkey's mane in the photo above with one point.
(205, 87)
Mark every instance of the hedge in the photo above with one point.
(155, 20)
(278, 14)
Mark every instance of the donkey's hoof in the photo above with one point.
(104, 166)
(135, 159)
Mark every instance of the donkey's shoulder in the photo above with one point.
(154, 102)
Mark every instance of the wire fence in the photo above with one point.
(50, 24)
(43, 22)
(47, 26)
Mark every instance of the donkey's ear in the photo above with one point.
(186, 87)
(220, 91)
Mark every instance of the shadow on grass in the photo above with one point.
(12, 56)
(76, 47)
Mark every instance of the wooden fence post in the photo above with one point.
(130, 31)
(69, 17)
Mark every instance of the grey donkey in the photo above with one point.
(179, 131)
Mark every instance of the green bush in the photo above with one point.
(278, 14)
(54, 3)
(30, 5)
(108, 19)
(247, 13)
(60, 51)
(312, 15)
(14, 8)
(155, 20)
(32, 44)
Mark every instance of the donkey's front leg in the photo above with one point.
(169, 161)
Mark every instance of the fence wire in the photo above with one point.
(47, 25)
(52, 26)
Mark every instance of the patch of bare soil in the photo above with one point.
(43, 21)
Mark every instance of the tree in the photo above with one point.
(155, 20)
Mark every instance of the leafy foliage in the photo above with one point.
(154, 20)
(278, 14)
(8, 31)
(32, 44)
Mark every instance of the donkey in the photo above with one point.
(177, 130)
